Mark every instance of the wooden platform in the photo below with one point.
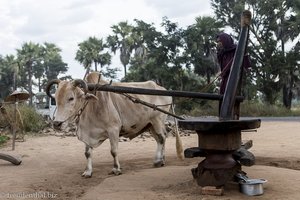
(215, 125)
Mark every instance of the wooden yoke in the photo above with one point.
(234, 80)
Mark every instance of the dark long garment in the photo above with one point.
(225, 58)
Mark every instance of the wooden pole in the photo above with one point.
(14, 124)
(174, 93)
(229, 98)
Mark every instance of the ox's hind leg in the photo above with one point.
(89, 168)
(158, 131)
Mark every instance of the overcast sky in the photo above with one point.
(69, 22)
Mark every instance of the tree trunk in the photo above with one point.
(287, 96)
(39, 83)
(96, 69)
(181, 81)
(125, 71)
(208, 77)
(30, 83)
(270, 96)
(287, 93)
(86, 72)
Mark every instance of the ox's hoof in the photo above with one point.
(116, 172)
(87, 174)
(159, 163)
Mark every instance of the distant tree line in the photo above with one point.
(33, 65)
(179, 58)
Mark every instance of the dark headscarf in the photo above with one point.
(225, 58)
(227, 41)
(228, 46)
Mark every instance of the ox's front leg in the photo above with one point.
(114, 142)
(89, 168)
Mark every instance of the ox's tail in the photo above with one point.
(179, 147)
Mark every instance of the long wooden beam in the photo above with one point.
(174, 93)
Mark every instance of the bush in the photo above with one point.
(196, 107)
(32, 121)
(254, 108)
(247, 109)
(210, 108)
(3, 139)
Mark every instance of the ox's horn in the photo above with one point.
(48, 86)
(81, 83)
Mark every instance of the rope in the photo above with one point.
(153, 106)
(205, 88)
(218, 76)
(77, 115)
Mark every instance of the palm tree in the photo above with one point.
(53, 64)
(200, 39)
(288, 29)
(83, 56)
(29, 57)
(90, 52)
(122, 40)
(8, 75)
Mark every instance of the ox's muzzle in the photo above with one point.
(57, 125)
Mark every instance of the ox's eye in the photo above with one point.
(71, 98)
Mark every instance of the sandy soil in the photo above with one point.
(52, 167)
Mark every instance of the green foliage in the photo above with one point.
(247, 109)
(29, 60)
(197, 108)
(8, 69)
(157, 55)
(274, 27)
(254, 108)
(32, 121)
(3, 139)
(53, 64)
(33, 65)
(91, 52)
(123, 39)
(200, 41)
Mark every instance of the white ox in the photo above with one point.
(107, 115)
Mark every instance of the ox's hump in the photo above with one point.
(145, 84)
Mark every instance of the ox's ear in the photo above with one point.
(89, 96)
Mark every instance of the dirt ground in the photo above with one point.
(52, 167)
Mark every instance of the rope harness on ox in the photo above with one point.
(77, 114)
(80, 111)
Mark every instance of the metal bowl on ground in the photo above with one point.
(252, 187)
